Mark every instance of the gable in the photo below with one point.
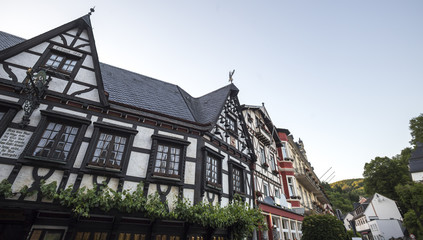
(230, 126)
(67, 53)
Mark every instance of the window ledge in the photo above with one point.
(46, 160)
(214, 186)
(166, 178)
(104, 168)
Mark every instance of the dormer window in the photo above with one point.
(61, 62)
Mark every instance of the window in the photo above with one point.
(108, 148)
(47, 234)
(61, 62)
(212, 170)
(109, 151)
(231, 124)
(167, 157)
(273, 163)
(291, 187)
(237, 180)
(8, 110)
(277, 193)
(95, 235)
(56, 141)
(266, 189)
(167, 160)
(284, 151)
(262, 155)
(131, 236)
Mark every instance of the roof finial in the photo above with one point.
(230, 76)
(91, 10)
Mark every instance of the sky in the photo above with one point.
(344, 76)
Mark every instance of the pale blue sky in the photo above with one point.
(344, 76)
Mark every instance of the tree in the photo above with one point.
(411, 197)
(382, 174)
(416, 128)
(326, 227)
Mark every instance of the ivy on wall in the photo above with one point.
(236, 216)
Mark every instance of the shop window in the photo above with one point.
(47, 234)
(131, 236)
(91, 236)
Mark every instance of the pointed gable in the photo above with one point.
(67, 53)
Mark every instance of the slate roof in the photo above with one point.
(8, 40)
(133, 89)
(416, 159)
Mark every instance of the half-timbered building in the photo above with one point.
(68, 118)
(284, 223)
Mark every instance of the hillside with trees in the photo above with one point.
(390, 177)
(344, 193)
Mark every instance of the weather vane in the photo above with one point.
(91, 10)
(230, 76)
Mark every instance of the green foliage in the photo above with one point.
(416, 128)
(48, 190)
(5, 189)
(25, 191)
(237, 216)
(411, 197)
(382, 174)
(326, 227)
(343, 194)
(350, 234)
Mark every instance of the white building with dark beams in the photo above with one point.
(97, 124)
(271, 197)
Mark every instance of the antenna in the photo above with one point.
(325, 173)
(329, 176)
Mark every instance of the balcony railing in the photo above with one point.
(263, 135)
(305, 178)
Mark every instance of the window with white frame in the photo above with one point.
(266, 189)
(284, 150)
(277, 193)
(291, 186)
(262, 155)
(272, 162)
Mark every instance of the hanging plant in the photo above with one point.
(48, 190)
(5, 189)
